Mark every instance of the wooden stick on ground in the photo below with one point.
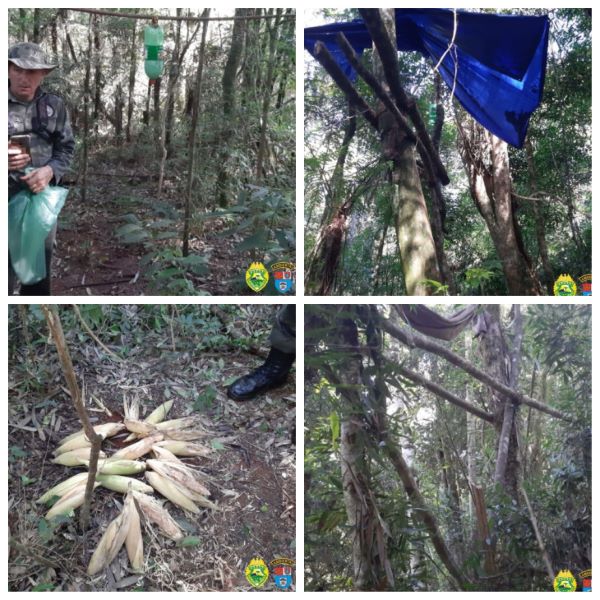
(93, 335)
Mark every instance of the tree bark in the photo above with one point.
(131, 86)
(413, 229)
(273, 28)
(36, 26)
(229, 103)
(86, 113)
(56, 330)
(538, 215)
(486, 161)
(172, 88)
(195, 114)
(97, 73)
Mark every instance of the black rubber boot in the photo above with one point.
(273, 373)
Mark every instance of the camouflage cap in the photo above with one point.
(29, 56)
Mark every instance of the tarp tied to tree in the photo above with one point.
(495, 67)
(493, 64)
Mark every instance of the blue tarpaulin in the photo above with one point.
(498, 61)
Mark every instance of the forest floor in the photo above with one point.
(91, 259)
(254, 473)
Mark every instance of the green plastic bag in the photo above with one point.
(31, 217)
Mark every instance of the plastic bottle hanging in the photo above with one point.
(154, 38)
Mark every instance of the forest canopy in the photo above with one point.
(447, 447)
(406, 197)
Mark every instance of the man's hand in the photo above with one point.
(17, 159)
(38, 179)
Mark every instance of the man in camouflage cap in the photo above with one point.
(39, 136)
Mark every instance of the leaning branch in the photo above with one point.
(56, 330)
(422, 511)
(388, 55)
(445, 394)
(94, 336)
(372, 82)
(330, 65)
(414, 339)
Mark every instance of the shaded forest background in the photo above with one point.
(177, 187)
(352, 243)
(415, 479)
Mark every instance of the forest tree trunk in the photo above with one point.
(86, 111)
(132, 71)
(540, 225)
(229, 102)
(413, 229)
(273, 29)
(486, 161)
(191, 163)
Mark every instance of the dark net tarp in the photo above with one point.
(496, 65)
(432, 324)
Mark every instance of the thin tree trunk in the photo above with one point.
(23, 25)
(86, 112)
(379, 258)
(472, 471)
(97, 74)
(56, 330)
(36, 26)
(273, 29)
(323, 263)
(156, 96)
(131, 87)
(173, 81)
(194, 127)
(176, 66)
(229, 103)
(538, 215)
(413, 229)
(425, 516)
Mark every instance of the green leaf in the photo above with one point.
(128, 228)
(190, 540)
(205, 400)
(44, 530)
(43, 587)
(264, 508)
(27, 480)
(258, 240)
(17, 452)
(334, 424)
(217, 445)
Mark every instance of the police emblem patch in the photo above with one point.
(565, 286)
(282, 569)
(257, 277)
(284, 276)
(586, 580)
(585, 284)
(565, 582)
(257, 572)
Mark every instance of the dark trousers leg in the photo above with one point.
(283, 334)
